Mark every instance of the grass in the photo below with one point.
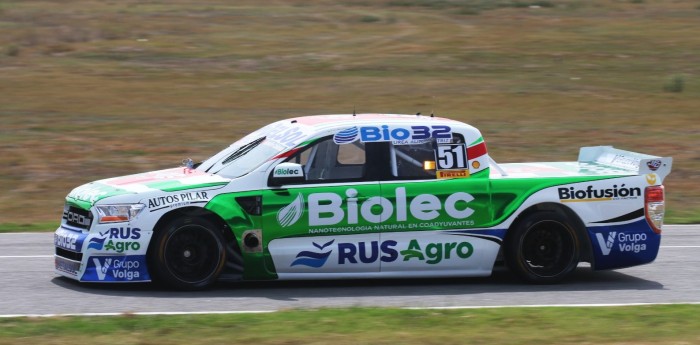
(94, 89)
(677, 324)
(29, 227)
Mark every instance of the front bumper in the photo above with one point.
(106, 253)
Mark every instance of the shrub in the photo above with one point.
(675, 83)
(369, 19)
(12, 50)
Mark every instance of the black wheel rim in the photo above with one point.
(192, 254)
(548, 249)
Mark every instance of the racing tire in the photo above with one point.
(189, 254)
(542, 248)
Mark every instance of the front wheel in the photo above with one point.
(542, 248)
(189, 254)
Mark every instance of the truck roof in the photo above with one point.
(322, 122)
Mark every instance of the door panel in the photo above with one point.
(426, 229)
(322, 228)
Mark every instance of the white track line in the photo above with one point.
(228, 312)
(145, 313)
(551, 306)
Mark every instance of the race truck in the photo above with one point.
(364, 196)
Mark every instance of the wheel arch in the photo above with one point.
(586, 249)
(195, 212)
(234, 261)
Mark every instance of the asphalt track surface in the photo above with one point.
(29, 287)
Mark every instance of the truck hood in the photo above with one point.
(169, 180)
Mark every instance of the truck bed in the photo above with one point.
(592, 161)
(558, 169)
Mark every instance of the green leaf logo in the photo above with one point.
(291, 213)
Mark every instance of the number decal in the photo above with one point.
(452, 156)
(442, 132)
(420, 132)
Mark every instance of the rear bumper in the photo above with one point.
(623, 245)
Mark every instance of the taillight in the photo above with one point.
(654, 207)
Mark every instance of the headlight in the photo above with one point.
(118, 213)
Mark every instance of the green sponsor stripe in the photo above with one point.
(308, 142)
(87, 195)
(174, 186)
(85, 205)
(481, 174)
(507, 195)
(477, 141)
(258, 265)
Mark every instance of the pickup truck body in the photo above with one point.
(362, 196)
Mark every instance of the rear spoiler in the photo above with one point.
(627, 160)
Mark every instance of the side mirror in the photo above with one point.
(287, 173)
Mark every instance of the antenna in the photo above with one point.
(353, 111)
(432, 111)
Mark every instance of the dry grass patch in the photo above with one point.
(93, 89)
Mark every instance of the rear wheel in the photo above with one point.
(542, 248)
(189, 254)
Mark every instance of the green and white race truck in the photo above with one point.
(364, 196)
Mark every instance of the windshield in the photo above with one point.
(254, 149)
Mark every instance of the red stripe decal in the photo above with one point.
(287, 154)
(169, 174)
(476, 151)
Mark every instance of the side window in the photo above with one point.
(326, 161)
(300, 157)
(351, 154)
(414, 162)
(408, 161)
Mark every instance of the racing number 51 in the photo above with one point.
(451, 156)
